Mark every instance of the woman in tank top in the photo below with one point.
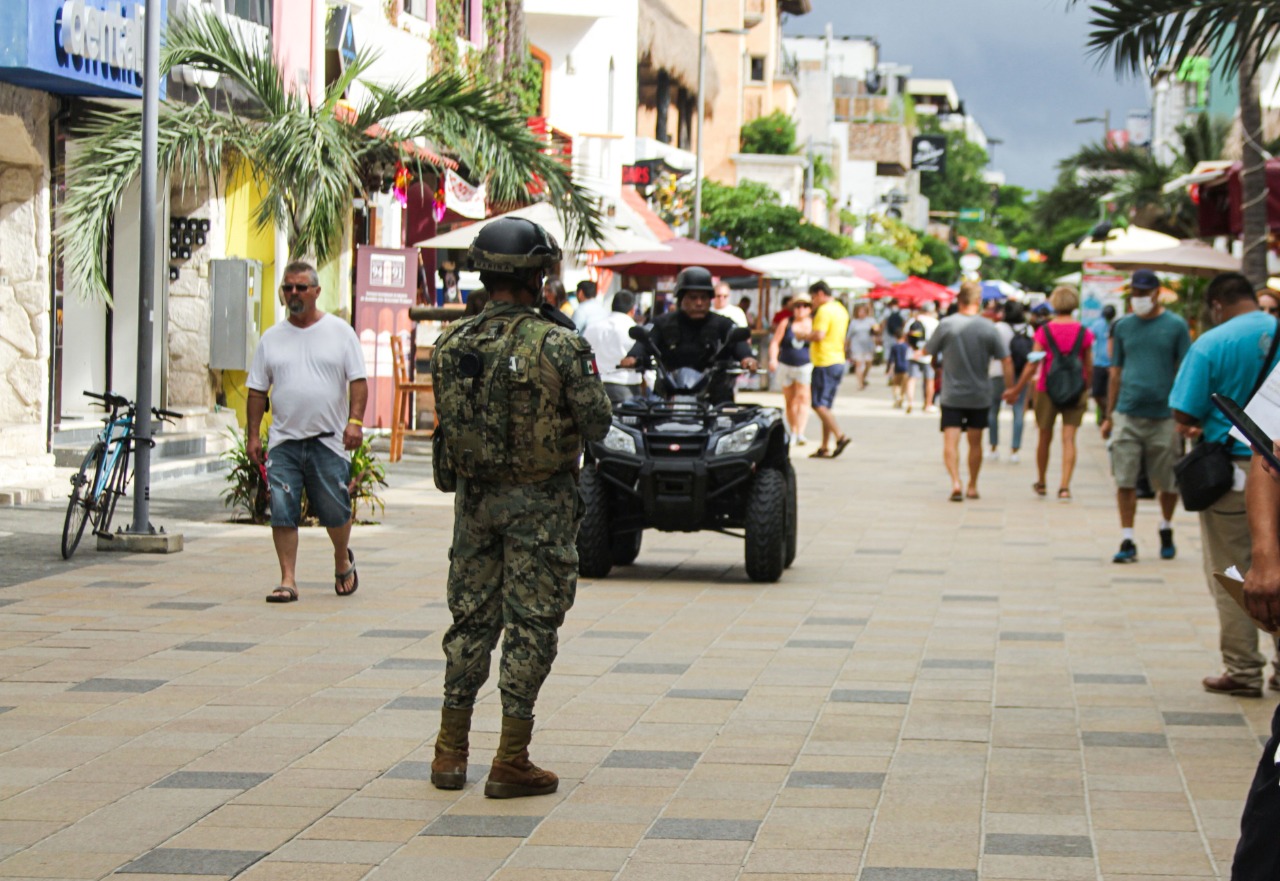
(790, 364)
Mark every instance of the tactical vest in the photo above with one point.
(501, 424)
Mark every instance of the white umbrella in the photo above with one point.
(1186, 258)
(1118, 241)
(799, 262)
(544, 214)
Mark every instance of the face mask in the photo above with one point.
(1142, 305)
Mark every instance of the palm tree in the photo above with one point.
(310, 160)
(1135, 32)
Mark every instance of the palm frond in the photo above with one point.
(1134, 33)
(193, 142)
(475, 122)
(206, 42)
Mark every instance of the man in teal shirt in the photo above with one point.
(1228, 360)
(1146, 350)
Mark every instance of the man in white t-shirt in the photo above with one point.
(611, 342)
(591, 306)
(721, 306)
(313, 367)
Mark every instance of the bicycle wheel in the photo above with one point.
(111, 493)
(82, 503)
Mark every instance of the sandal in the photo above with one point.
(283, 594)
(1064, 494)
(957, 496)
(841, 442)
(1039, 488)
(820, 453)
(971, 494)
(339, 578)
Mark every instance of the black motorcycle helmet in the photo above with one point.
(694, 278)
(514, 249)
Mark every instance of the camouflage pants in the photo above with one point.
(514, 568)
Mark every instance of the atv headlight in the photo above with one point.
(619, 441)
(737, 441)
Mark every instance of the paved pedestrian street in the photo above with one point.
(934, 692)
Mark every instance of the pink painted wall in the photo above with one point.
(298, 32)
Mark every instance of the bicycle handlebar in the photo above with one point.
(166, 415)
(110, 399)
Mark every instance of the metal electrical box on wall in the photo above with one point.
(236, 287)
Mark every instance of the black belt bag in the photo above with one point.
(1206, 473)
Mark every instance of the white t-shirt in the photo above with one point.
(610, 343)
(589, 312)
(733, 313)
(307, 371)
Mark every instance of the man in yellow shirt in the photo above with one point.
(826, 350)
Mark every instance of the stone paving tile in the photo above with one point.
(650, 668)
(1125, 739)
(179, 606)
(1012, 844)
(710, 694)
(614, 634)
(1204, 719)
(409, 664)
(820, 643)
(1110, 679)
(704, 829)
(396, 634)
(410, 702)
(460, 825)
(870, 696)
(205, 646)
(652, 759)
(834, 621)
(873, 873)
(121, 686)
(191, 861)
(835, 780)
(957, 664)
(211, 780)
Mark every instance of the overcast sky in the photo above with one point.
(1020, 66)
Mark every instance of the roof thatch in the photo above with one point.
(665, 43)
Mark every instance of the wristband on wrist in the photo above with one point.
(355, 421)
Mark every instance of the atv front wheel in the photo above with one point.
(625, 547)
(595, 558)
(766, 526)
(792, 515)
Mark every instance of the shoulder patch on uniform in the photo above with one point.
(587, 362)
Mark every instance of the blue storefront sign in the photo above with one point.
(74, 47)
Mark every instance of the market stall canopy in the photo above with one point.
(544, 214)
(1220, 200)
(876, 270)
(672, 256)
(915, 291)
(1119, 240)
(1189, 257)
(997, 289)
(799, 263)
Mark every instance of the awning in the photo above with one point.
(676, 254)
(1189, 257)
(666, 43)
(1119, 240)
(544, 214)
(799, 263)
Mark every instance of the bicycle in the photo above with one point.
(94, 498)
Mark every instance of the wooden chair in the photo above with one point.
(406, 396)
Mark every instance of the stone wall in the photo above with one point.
(190, 383)
(25, 311)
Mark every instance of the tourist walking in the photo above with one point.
(1231, 359)
(1020, 342)
(860, 343)
(994, 312)
(826, 350)
(1063, 340)
(610, 341)
(591, 307)
(898, 356)
(967, 343)
(1101, 327)
(1146, 350)
(517, 397)
(720, 305)
(791, 365)
(312, 367)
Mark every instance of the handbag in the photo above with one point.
(1206, 473)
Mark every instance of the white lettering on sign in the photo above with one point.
(104, 36)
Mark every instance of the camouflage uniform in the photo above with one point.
(514, 561)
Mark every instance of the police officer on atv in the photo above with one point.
(692, 335)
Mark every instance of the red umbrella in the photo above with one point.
(866, 271)
(879, 293)
(915, 291)
(682, 253)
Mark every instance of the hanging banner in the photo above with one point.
(386, 286)
(929, 154)
(462, 198)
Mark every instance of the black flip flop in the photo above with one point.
(276, 597)
(957, 496)
(820, 454)
(339, 577)
(841, 443)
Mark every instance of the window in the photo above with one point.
(418, 9)
(464, 19)
(255, 11)
(757, 68)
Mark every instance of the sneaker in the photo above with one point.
(1167, 549)
(1128, 553)
(801, 440)
(1013, 458)
(993, 455)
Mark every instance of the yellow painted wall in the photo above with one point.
(246, 241)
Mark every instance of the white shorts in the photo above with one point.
(789, 375)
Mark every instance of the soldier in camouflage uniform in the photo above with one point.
(517, 395)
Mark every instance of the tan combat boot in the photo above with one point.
(512, 774)
(449, 767)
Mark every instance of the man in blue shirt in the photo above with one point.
(1228, 360)
(1101, 327)
(1146, 349)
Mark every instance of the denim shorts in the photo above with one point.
(293, 465)
(825, 382)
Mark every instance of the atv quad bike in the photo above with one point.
(679, 463)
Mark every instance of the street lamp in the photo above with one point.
(697, 161)
(1105, 119)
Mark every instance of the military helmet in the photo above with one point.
(512, 245)
(694, 278)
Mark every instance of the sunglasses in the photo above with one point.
(291, 288)
(1271, 310)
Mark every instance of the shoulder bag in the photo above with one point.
(1206, 473)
